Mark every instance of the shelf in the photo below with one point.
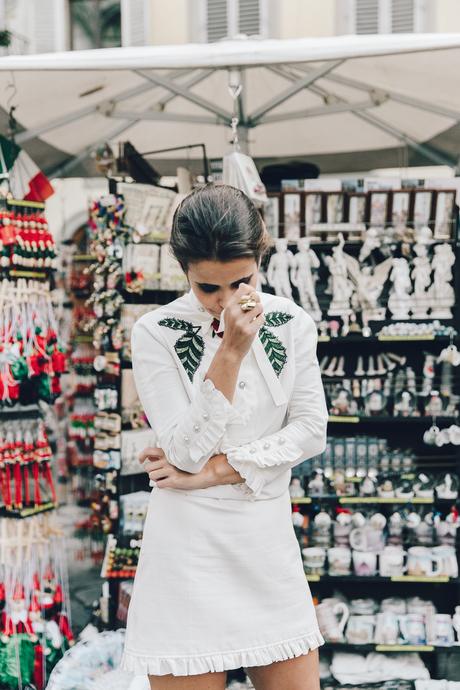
(84, 257)
(378, 579)
(356, 338)
(28, 512)
(391, 648)
(387, 419)
(348, 500)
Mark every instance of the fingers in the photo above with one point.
(150, 453)
(150, 465)
(158, 474)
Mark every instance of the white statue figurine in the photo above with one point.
(303, 264)
(368, 286)
(421, 275)
(278, 269)
(399, 301)
(442, 294)
(342, 289)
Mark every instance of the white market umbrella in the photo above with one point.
(318, 98)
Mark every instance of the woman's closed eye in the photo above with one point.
(208, 287)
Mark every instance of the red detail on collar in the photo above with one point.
(215, 325)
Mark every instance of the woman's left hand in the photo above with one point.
(167, 476)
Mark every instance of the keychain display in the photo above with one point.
(25, 241)
(32, 359)
(35, 625)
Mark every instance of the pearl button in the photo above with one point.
(196, 428)
(242, 384)
(266, 446)
(281, 441)
(252, 449)
(205, 416)
(186, 439)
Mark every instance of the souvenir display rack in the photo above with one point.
(392, 446)
(35, 627)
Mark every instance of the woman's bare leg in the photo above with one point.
(300, 673)
(202, 681)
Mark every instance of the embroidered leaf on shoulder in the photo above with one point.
(276, 352)
(277, 318)
(176, 324)
(189, 347)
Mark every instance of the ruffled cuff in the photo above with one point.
(210, 414)
(269, 452)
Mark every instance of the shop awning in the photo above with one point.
(379, 100)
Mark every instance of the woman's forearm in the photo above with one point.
(218, 472)
(223, 371)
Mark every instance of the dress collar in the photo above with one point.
(203, 316)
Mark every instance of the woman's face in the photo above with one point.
(214, 282)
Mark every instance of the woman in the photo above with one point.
(230, 383)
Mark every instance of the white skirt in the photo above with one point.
(220, 585)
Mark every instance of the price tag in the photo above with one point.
(403, 648)
(420, 578)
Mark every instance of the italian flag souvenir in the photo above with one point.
(26, 179)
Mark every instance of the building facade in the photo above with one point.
(38, 26)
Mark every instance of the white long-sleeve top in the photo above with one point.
(278, 415)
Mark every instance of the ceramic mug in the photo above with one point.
(360, 629)
(443, 630)
(365, 563)
(395, 605)
(422, 561)
(391, 561)
(339, 559)
(412, 627)
(367, 539)
(314, 559)
(332, 619)
(387, 628)
(449, 564)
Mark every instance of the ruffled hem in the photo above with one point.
(214, 663)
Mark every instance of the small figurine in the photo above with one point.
(281, 262)
(302, 267)
(399, 301)
(442, 294)
(421, 275)
(342, 289)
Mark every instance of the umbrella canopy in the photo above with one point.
(327, 99)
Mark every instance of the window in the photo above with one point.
(382, 16)
(227, 18)
(95, 24)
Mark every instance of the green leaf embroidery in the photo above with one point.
(177, 324)
(277, 318)
(189, 347)
(276, 352)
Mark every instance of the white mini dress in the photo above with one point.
(220, 582)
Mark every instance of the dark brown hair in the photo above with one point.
(217, 222)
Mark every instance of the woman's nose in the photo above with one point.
(224, 298)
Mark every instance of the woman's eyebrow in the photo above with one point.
(235, 282)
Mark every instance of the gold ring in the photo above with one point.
(247, 302)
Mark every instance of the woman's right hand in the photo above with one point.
(241, 327)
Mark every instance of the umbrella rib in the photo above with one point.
(396, 96)
(165, 117)
(185, 93)
(292, 90)
(29, 134)
(203, 74)
(429, 152)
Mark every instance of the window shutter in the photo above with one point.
(217, 21)
(367, 16)
(249, 17)
(44, 30)
(403, 16)
(134, 23)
